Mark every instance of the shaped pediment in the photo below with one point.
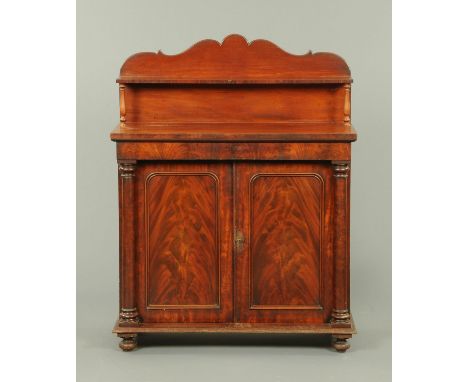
(234, 60)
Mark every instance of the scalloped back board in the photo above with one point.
(233, 81)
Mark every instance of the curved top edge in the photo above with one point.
(234, 59)
(228, 39)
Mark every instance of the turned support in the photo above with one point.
(340, 316)
(123, 111)
(128, 311)
(340, 342)
(347, 105)
(129, 341)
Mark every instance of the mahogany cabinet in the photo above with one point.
(234, 192)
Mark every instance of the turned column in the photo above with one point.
(347, 105)
(128, 311)
(123, 111)
(340, 314)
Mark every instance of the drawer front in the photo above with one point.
(223, 151)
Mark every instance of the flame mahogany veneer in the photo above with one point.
(234, 179)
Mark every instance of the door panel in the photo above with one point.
(285, 240)
(185, 242)
(283, 267)
(181, 221)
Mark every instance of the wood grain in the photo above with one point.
(128, 315)
(146, 104)
(182, 232)
(234, 61)
(320, 328)
(286, 221)
(184, 242)
(234, 191)
(196, 151)
(235, 132)
(284, 269)
(341, 314)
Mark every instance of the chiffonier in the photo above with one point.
(234, 192)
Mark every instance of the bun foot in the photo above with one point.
(129, 342)
(340, 343)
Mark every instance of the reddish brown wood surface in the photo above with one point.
(236, 132)
(233, 151)
(341, 314)
(183, 249)
(285, 230)
(147, 104)
(283, 268)
(234, 61)
(234, 191)
(128, 315)
(184, 242)
(235, 328)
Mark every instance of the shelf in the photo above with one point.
(236, 132)
(234, 328)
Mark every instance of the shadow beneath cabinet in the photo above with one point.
(230, 339)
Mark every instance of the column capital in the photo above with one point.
(340, 169)
(127, 169)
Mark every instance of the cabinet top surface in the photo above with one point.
(234, 61)
(237, 132)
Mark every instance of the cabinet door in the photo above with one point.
(184, 242)
(283, 242)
